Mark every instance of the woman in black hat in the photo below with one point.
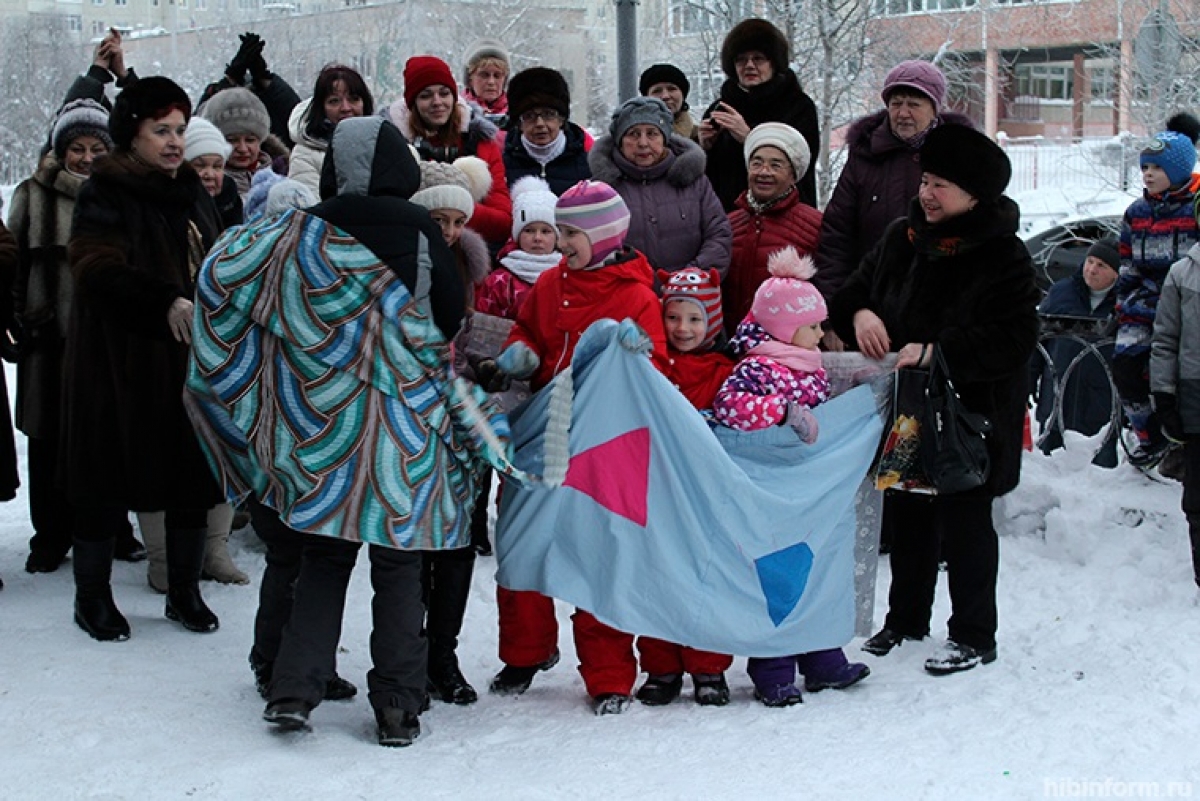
(760, 87)
(142, 225)
(668, 83)
(542, 141)
(952, 275)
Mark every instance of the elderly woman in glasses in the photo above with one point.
(761, 87)
(542, 141)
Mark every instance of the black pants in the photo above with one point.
(445, 589)
(306, 654)
(958, 529)
(106, 522)
(1191, 499)
(49, 511)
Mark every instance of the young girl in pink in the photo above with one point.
(777, 381)
(535, 239)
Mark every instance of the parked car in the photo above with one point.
(1059, 251)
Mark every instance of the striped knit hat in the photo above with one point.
(598, 211)
(83, 117)
(701, 287)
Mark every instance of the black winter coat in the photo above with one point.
(137, 239)
(778, 100)
(9, 480)
(1087, 396)
(968, 286)
(568, 169)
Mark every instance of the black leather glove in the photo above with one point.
(258, 64)
(1167, 409)
(251, 46)
(489, 376)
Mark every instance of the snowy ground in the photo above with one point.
(1096, 683)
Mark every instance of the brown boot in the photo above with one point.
(218, 564)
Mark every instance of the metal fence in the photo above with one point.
(1105, 163)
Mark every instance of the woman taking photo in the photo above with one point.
(339, 93)
(951, 276)
(143, 223)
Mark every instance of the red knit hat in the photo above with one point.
(701, 287)
(421, 72)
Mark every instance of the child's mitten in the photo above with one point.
(518, 361)
(632, 338)
(802, 422)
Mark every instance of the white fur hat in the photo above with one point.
(532, 202)
(204, 139)
(453, 186)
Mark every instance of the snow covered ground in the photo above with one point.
(1095, 693)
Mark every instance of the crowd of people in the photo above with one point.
(485, 200)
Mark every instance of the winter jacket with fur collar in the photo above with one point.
(675, 218)
(967, 285)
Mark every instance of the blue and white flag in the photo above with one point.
(727, 541)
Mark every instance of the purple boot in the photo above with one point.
(830, 670)
(774, 680)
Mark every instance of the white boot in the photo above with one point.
(153, 527)
(217, 562)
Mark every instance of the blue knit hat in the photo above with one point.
(1174, 150)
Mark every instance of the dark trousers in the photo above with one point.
(445, 588)
(958, 529)
(107, 523)
(306, 643)
(49, 511)
(1191, 499)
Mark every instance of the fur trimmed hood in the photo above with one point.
(475, 256)
(683, 166)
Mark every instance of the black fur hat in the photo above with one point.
(969, 158)
(147, 99)
(755, 34)
(538, 87)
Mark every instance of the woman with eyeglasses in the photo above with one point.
(443, 127)
(542, 141)
(760, 87)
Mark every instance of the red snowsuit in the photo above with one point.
(698, 375)
(552, 318)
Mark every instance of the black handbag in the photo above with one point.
(953, 439)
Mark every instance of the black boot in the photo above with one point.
(95, 611)
(185, 556)
(1194, 533)
(397, 727)
(444, 678)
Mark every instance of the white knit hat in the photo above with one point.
(204, 139)
(784, 137)
(453, 186)
(532, 201)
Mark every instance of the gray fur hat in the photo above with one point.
(238, 111)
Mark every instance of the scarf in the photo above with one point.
(544, 154)
(761, 208)
(528, 266)
(914, 143)
(798, 360)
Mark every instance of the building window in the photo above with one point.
(690, 17)
(120, 2)
(98, 28)
(1103, 82)
(896, 8)
(75, 23)
(1047, 81)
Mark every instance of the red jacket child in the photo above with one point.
(598, 278)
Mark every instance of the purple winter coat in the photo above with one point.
(882, 174)
(675, 218)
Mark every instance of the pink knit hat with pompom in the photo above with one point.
(787, 301)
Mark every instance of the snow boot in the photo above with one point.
(829, 669)
(444, 679)
(1194, 535)
(288, 714)
(152, 525)
(610, 703)
(779, 695)
(95, 611)
(43, 561)
(337, 689)
(711, 689)
(513, 680)
(660, 690)
(185, 554)
(883, 641)
(955, 657)
(218, 565)
(397, 727)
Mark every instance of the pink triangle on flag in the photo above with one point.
(615, 474)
